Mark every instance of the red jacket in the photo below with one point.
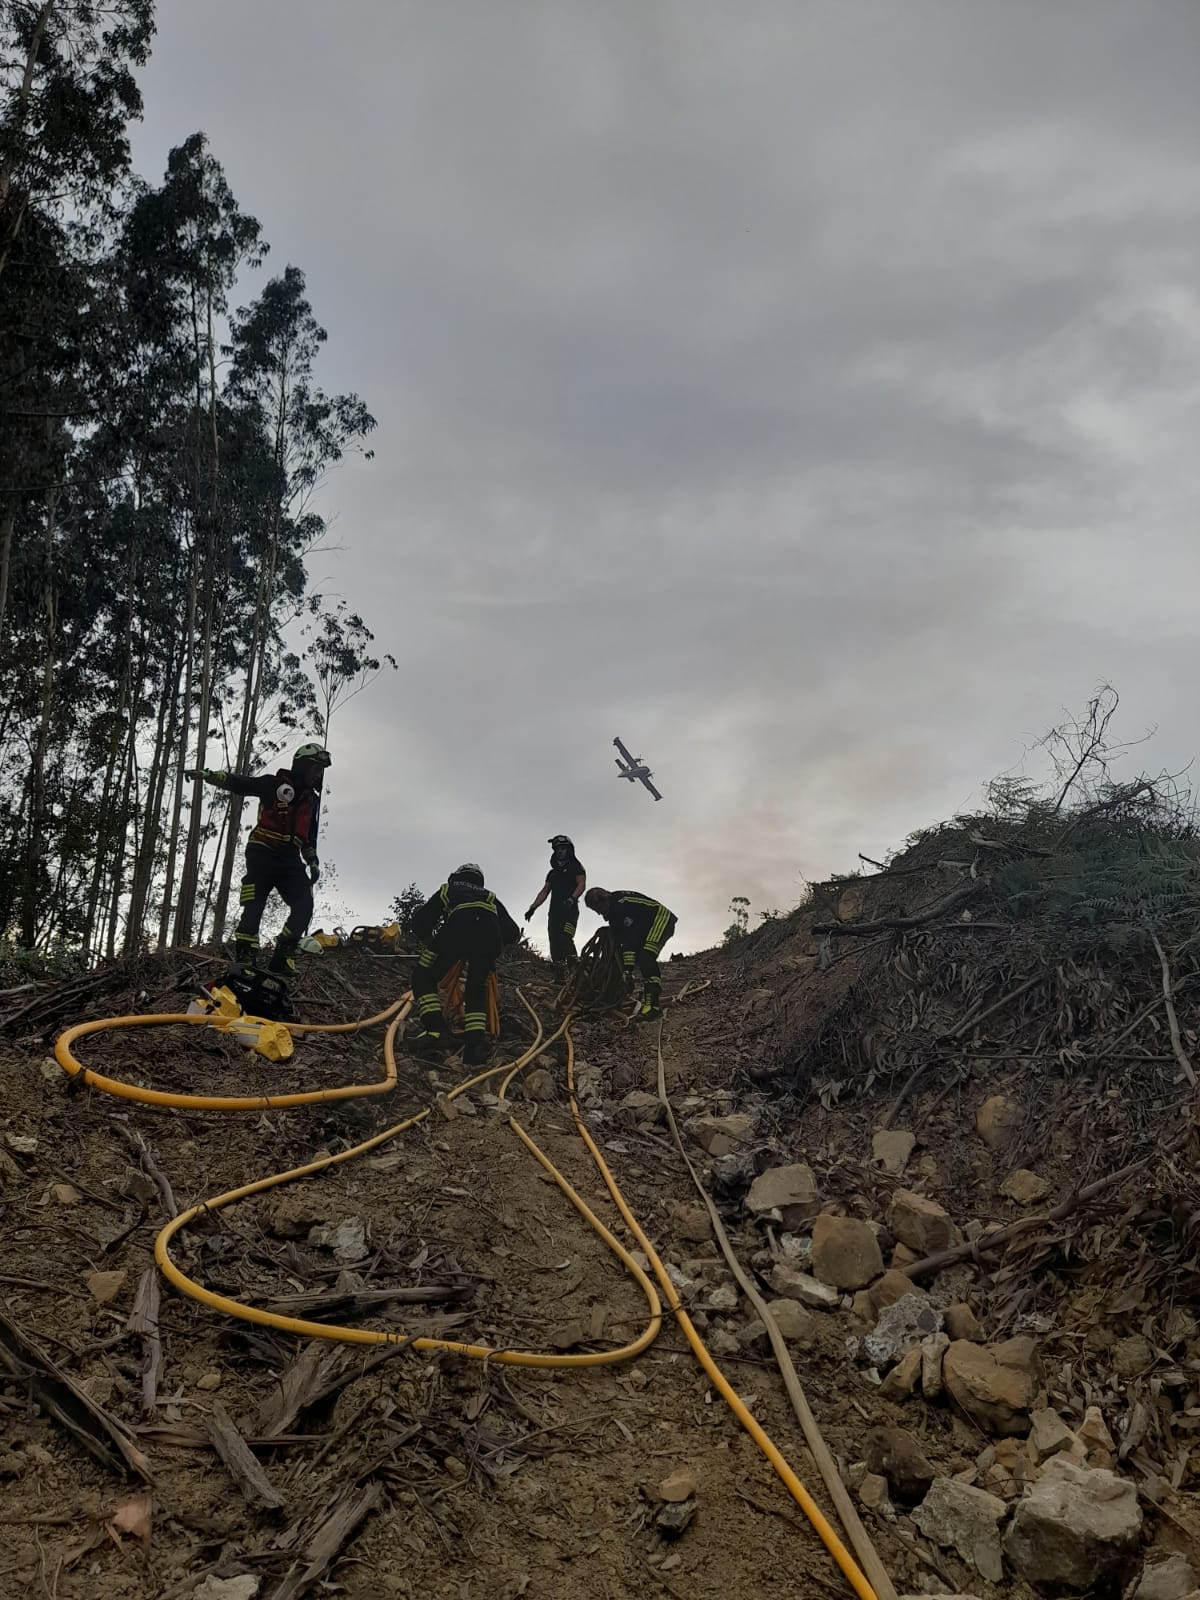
(281, 825)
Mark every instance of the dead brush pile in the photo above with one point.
(1044, 959)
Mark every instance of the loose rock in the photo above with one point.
(209, 1382)
(1049, 1434)
(893, 1286)
(891, 1148)
(901, 1381)
(567, 1335)
(933, 1352)
(297, 1211)
(680, 1485)
(104, 1287)
(896, 1456)
(539, 1085)
(347, 1239)
(690, 1223)
(873, 1493)
(791, 1191)
(846, 1252)
(66, 1194)
(797, 1325)
(671, 1522)
(920, 1223)
(997, 1119)
(722, 1136)
(962, 1323)
(1075, 1527)
(994, 1386)
(793, 1285)
(1172, 1579)
(1132, 1356)
(900, 1328)
(1097, 1440)
(967, 1519)
(754, 1337)
(243, 1587)
(722, 1298)
(1024, 1187)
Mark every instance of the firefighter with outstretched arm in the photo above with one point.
(642, 926)
(465, 922)
(565, 883)
(281, 852)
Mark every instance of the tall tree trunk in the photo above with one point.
(164, 921)
(35, 838)
(251, 700)
(189, 877)
(152, 811)
(111, 820)
(7, 524)
(17, 116)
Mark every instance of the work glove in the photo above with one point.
(205, 774)
(529, 913)
(314, 870)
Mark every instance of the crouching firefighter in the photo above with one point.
(281, 853)
(464, 922)
(642, 926)
(565, 883)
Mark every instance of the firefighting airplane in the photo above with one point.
(633, 768)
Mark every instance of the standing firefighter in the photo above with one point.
(463, 921)
(281, 853)
(564, 884)
(642, 926)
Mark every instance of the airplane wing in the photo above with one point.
(652, 789)
(623, 751)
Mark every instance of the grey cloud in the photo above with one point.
(808, 396)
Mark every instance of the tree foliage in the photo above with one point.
(161, 447)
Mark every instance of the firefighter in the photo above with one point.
(463, 921)
(565, 883)
(642, 927)
(281, 852)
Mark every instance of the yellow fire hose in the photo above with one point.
(216, 1102)
(303, 1328)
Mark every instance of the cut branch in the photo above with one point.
(1181, 1055)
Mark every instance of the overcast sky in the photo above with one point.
(808, 392)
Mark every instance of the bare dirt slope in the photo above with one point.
(431, 1475)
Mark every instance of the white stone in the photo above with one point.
(955, 1514)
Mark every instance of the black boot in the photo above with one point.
(476, 1050)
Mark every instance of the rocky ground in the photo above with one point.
(1005, 1423)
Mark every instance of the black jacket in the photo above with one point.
(456, 898)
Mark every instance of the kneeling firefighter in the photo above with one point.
(281, 853)
(642, 926)
(464, 922)
(564, 884)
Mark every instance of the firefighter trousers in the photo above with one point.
(285, 872)
(469, 936)
(643, 950)
(564, 918)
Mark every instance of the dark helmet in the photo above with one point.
(560, 842)
(469, 872)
